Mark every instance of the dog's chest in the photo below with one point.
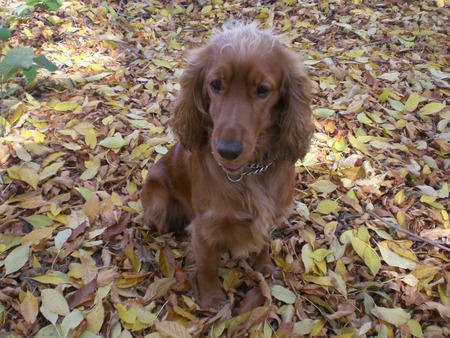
(242, 216)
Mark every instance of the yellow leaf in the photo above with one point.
(128, 316)
(415, 328)
(50, 170)
(91, 171)
(37, 235)
(133, 259)
(400, 197)
(53, 278)
(425, 271)
(162, 63)
(363, 234)
(29, 308)
(95, 318)
(66, 106)
(139, 151)
(384, 95)
(113, 142)
(412, 102)
(231, 279)
(431, 108)
(324, 280)
(29, 175)
(327, 206)
(306, 257)
(369, 255)
(52, 157)
(317, 328)
(206, 9)
(91, 138)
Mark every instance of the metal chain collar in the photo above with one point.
(254, 169)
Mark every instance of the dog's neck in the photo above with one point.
(253, 168)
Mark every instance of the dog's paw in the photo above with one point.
(212, 299)
(266, 269)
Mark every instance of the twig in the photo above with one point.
(413, 236)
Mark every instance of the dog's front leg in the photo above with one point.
(207, 283)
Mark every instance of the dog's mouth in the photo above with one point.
(232, 167)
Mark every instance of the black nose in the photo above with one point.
(229, 150)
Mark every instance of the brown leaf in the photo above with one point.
(84, 296)
(251, 300)
(117, 228)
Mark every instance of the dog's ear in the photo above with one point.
(296, 117)
(191, 121)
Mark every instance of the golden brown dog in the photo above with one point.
(243, 119)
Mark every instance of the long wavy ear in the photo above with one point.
(191, 121)
(296, 118)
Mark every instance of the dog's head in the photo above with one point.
(246, 96)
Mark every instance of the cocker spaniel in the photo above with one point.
(243, 119)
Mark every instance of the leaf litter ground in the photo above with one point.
(366, 251)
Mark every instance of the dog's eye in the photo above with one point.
(262, 91)
(216, 86)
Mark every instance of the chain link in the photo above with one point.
(254, 169)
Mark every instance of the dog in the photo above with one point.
(243, 119)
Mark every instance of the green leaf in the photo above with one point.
(17, 259)
(415, 328)
(38, 221)
(16, 60)
(48, 5)
(30, 74)
(206, 9)
(285, 295)
(42, 61)
(385, 94)
(5, 34)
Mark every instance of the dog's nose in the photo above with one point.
(229, 150)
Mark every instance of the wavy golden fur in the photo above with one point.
(243, 119)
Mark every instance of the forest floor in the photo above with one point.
(366, 251)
